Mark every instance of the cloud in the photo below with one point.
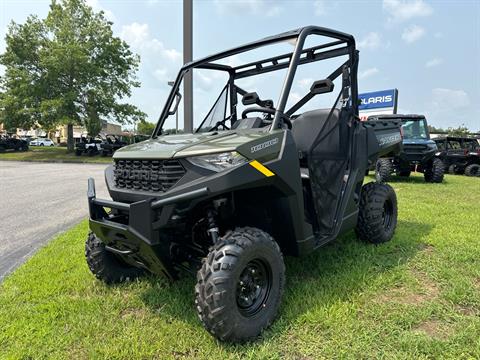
(413, 33)
(371, 41)
(368, 73)
(433, 62)
(404, 10)
(305, 83)
(152, 52)
(135, 34)
(450, 108)
(248, 7)
(161, 74)
(138, 37)
(97, 7)
(449, 99)
(319, 8)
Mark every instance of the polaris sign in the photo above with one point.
(378, 100)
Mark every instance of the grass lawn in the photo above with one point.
(51, 154)
(415, 297)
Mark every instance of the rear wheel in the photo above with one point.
(105, 265)
(433, 173)
(383, 170)
(377, 217)
(240, 285)
(472, 170)
(78, 152)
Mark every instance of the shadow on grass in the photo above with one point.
(333, 273)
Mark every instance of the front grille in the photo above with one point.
(415, 147)
(147, 175)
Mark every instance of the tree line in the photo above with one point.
(67, 69)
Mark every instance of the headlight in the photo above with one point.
(218, 162)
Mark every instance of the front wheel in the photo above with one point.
(377, 218)
(105, 265)
(240, 285)
(434, 172)
(383, 170)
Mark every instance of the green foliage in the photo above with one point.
(51, 154)
(433, 129)
(145, 128)
(416, 297)
(67, 68)
(459, 131)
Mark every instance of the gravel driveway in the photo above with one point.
(39, 200)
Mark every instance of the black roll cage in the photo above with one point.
(292, 60)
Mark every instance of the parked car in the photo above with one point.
(12, 143)
(111, 144)
(89, 146)
(42, 142)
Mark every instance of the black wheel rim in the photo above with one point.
(253, 287)
(387, 214)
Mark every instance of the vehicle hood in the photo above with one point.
(182, 145)
(418, 142)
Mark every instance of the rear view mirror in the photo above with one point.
(178, 98)
(322, 86)
(250, 98)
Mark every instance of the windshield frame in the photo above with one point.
(297, 57)
(425, 126)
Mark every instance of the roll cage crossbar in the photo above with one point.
(290, 61)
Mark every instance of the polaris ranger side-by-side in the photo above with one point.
(230, 200)
(460, 155)
(419, 151)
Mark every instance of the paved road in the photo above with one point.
(39, 200)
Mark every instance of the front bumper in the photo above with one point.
(131, 230)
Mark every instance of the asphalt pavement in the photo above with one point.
(38, 201)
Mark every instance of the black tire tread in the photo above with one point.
(105, 266)
(472, 170)
(435, 173)
(214, 275)
(383, 170)
(370, 224)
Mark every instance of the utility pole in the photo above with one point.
(187, 57)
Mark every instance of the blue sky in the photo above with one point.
(430, 51)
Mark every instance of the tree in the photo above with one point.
(145, 128)
(459, 131)
(433, 129)
(67, 69)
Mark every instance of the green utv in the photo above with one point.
(228, 201)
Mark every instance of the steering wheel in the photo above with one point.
(266, 110)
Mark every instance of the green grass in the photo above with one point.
(51, 154)
(415, 297)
